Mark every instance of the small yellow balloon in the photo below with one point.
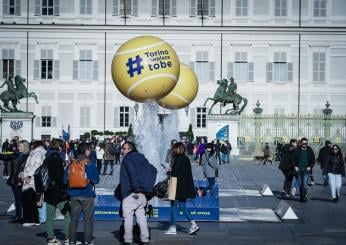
(184, 92)
(145, 68)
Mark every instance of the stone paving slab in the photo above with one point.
(320, 221)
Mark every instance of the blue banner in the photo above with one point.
(223, 133)
(205, 207)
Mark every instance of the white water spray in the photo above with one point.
(153, 137)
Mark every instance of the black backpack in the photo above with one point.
(41, 178)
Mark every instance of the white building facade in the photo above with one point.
(288, 54)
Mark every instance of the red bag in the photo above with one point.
(76, 175)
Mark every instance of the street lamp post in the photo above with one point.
(186, 110)
(327, 114)
(258, 111)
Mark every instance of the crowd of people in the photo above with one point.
(73, 194)
(22, 160)
(297, 160)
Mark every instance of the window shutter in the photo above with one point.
(36, 69)
(56, 67)
(116, 117)
(18, 67)
(251, 71)
(135, 7)
(50, 54)
(37, 7)
(277, 57)
(18, 7)
(38, 122)
(53, 122)
(174, 8)
(193, 117)
(193, 8)
(154, 8)
(269, 72)
(290, 72)
(75, 70)
(56, 8)
(115, 7)
(212, 70)
(1, 69)
(212, 8)
(96, 70)
(5, 7)
(229, 70)
(11, 53)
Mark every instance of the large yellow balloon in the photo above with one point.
(184, 92)
(145, 68)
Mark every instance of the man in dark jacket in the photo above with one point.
(287, 165)
(322, 159)
(55, 196)
(304, 160)
(133, 198)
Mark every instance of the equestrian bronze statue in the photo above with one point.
(15, 91)
(225, 94)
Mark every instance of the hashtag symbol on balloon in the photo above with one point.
(134, 65)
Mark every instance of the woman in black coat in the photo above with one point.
(335, 170)
(17, 163)
(181, 169)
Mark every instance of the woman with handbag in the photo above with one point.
(181, 170)
(210, 167)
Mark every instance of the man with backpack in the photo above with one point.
(81, 177)
(137, 178)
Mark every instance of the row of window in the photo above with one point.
(162, 7)
(241, 69)
(121, 119)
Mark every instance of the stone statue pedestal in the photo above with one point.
(16, 124)
(224, 127)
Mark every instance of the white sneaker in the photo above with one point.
(53, 241)
(293, 191)
(172, 230)
(66, 241)
(193, 229)
(28, 224)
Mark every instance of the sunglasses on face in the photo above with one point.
(335, 149)
(304, 143)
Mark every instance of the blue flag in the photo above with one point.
(223, 133)
(65, 135)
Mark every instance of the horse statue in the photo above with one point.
(226, 94)
(15, 91)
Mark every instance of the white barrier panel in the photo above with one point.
(11, 208)
(265, 191)
(284, 211)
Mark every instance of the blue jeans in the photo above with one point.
(18, 197)
(224, 157)
(211, 182)
(303, 181)
(182, 207)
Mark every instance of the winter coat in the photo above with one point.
(335, 165)
(18, 161)
(311, 157)
(99, 152)
(108, 156)
(182, 170)
(56, 192)
(287, 159)
(34, 160)
(92, 175)
(130, 173)
(323, 154)
(209, 165)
